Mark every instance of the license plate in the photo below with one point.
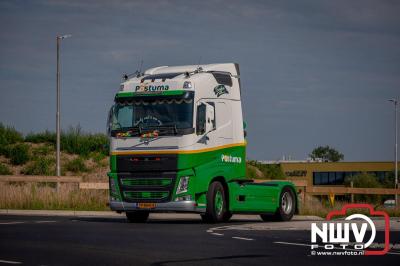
(146, 205)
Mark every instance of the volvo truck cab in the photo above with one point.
(177, 144)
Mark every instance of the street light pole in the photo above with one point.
(395, 102)
(58, 126)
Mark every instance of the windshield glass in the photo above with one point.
(141, 114)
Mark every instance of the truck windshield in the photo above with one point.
(168, 114)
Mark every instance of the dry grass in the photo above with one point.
(35, 196)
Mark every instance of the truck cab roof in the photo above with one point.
(208, 81)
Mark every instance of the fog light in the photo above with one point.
(183, 185)
(184, 198)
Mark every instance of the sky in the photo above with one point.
(313, 72)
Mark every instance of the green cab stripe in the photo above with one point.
(163, 93)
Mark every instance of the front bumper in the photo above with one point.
(173, 206)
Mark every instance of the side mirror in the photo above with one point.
(205, 120)
(109, 120)
(210, 121)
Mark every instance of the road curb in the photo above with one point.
(59, 213)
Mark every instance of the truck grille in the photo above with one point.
(146, 195)
(155, 186)
(146, 181)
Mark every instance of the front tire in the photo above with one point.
(286, 209)
(137, 216)
(216, 204)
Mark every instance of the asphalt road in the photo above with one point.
(31, 240)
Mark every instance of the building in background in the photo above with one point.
(318, 173)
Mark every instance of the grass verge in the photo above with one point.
(319, 208)
(43, 196)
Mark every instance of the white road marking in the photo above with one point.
(293, 244)
(40, 222)
(11, 223)
(308, 245)
(242, 238)
(217, 234)
(10, 262)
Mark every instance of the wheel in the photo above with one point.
(216, 204)
(286, 209)
(137, 216)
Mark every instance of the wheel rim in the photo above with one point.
(219, 202)
(286, 203)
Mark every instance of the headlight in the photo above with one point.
(187, 85)
(183, 185)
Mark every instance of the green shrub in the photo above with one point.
(250, 172)
(40, 166)
(19, 154)
(46, 136)
(97, 157)
(8, 135)
(5, 150)
(43, 150)
(270, 171)
(365, 180)
(4, 170)
(76, 165)
(73, 141)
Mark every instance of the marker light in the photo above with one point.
(187, 85)
(183, 185)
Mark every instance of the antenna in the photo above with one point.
(141, 65)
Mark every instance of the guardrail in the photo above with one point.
(39, 179)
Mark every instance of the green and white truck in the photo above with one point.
(177, 144)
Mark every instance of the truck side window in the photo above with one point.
(110, 120)
(201, 119)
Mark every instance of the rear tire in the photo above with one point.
(137, 216)
(286, 209)
(216, 204)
